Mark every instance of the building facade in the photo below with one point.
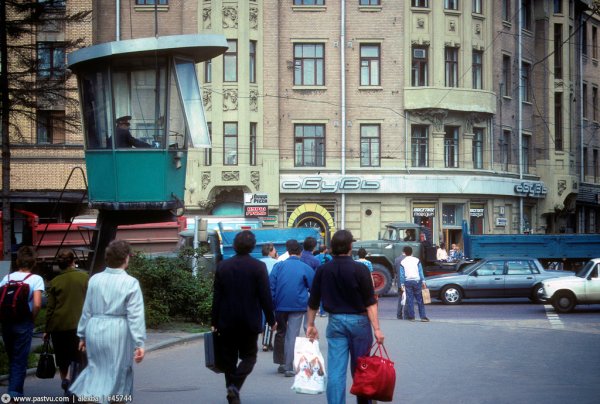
(357, 113)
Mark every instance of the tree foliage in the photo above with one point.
(33, 85)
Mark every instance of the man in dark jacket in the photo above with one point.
(241, 293)
(290, 282)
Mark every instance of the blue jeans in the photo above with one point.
(413, 291)
(17, 341)
(346, 334)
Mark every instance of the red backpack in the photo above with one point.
(14, 301)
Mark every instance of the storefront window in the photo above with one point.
(423, 215)
(476, 216)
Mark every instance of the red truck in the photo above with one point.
(49, 238)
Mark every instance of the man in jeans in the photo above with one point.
(346, 288)
(411, 282)
(290, 282)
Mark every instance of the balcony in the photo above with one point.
(450, 98)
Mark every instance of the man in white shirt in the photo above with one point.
(412, 281)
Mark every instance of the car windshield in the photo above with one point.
(582, 273)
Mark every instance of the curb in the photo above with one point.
(152, 348)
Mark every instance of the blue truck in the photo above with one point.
(219, 242)
(559, 251)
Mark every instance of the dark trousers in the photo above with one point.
(236, 346)
(66, 350)
(17, 342)
(279, 340)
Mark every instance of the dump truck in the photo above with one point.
(556, 251)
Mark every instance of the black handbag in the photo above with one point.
(212, 353)
(46, 367)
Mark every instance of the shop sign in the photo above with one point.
(501, 221)
(256, 199)
(331, 185)
(533, 189)
(476, 212)
(423, 212)
(256, 211)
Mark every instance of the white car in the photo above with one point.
(567, 292)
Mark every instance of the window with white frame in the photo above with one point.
(451, 58)
(370, 145)
(478, 6)
(369, 64)
(51, 59)
(451, 147)
(558, 121)
(309, 64)
(208, 150)
(526, 82)
(506, 13)
(478, 148)
(420, 73)
(506, 76)
(252, 67)
(309, 141)
(50, 126)
(419, 145)
(208, 71)
(230, 62)
(252, 146)
(369, 2)
(451, 4)
(309, 2)
(477, 70)
(420, 3)
(230, 143)
(505, 150)
(525, 144)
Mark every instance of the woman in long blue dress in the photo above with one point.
(112, 330)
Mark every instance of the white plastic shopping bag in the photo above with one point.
(309, 367)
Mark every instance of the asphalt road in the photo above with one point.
(496, 352)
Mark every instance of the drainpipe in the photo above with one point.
(580, 63)
(118, 17)
(343, 102)
(520, 112)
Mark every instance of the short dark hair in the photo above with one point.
(65, 259)
(26, 257)
(116, 253)
(362, 253)
(267, 248)
(407, 250)
(244, 242)
(309, 244)
(293, 247)
(341, 242)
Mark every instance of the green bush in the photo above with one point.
(171, 292)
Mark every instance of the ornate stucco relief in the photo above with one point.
(230, 17)
(230, 100)
(255, 179)
(206, 20)
(230, 175)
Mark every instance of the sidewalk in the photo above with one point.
(154, 340)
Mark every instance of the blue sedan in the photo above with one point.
(492, 278)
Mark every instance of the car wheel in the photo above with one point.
(382, 279)
(564, 302)
(451, 294)
(535, 293)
